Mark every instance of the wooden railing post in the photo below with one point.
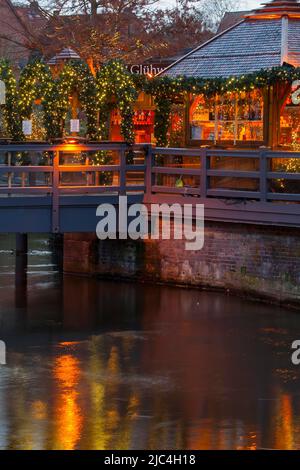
(204, 178)
(55, 193)
(9, 175)
(149, 165)
(263, 181)
(123, 163)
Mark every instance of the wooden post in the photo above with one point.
(55, 193)
(203, 178)
(9, 176)
(149, 166)
(122, 182)
(186, 121)
(21, 270)
(263, 184)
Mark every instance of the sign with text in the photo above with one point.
(27, 127)
(147, 69)
(2, 92)
(296, 92)
(74, 125)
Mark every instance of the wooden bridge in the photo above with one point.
(57, 188)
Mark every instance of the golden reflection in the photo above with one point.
(67, 411)
(113, 362)
(284, 427)
(109, 423)
(21, 436)
(39, 410)
(201, 438)
(67, 344)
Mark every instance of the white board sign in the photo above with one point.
(74, 125)
(196, 132)
(2, 92)
(27, 127)
(296, 92)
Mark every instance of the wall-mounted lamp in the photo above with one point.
(71, 139)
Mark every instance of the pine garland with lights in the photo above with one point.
(113, 87)
(10, 109)
(36, 83)
(76, 76)
(116, 89)
(166, 90)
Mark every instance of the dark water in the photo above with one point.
(103, 365)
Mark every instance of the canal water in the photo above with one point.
(109, 365)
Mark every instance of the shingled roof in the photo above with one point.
(265, 38)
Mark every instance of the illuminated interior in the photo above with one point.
(290, 122)
(234, 117)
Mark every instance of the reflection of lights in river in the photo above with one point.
(284, 424)
(67, 412)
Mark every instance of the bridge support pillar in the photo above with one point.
(21, 270)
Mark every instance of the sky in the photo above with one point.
(253, 4)
(246, 4)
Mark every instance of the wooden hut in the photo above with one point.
(264, 39)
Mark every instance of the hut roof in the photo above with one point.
(263, 39)
(65, 54)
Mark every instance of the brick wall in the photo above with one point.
(261, 262)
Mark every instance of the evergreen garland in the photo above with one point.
(116, 88)
(11, 108)
(36, 83)
(76, 76)
(113, 87)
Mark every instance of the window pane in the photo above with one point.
(250, 116)
(202, 119)
(290, 125)
(239, 117)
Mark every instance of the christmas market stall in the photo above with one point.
(241, 89)
(249, 80)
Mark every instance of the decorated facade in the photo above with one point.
(240, 89)
(250, 80)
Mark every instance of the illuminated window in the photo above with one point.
(231, 117)
(202, 119)
(290, 123)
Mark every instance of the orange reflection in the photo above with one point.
(69, 417)
(284, 428)
(39, 410)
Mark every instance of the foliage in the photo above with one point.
(76, 76)
(116, 89)
(100, 30)
(10, 109)
(113, 87)
(290, 165)
(36, 83)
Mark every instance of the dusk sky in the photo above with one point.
(245, 4)
(253, 3)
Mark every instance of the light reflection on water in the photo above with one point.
(103, 365)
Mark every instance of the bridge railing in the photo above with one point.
(261, 175)
(252, 186)
(71, 169)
